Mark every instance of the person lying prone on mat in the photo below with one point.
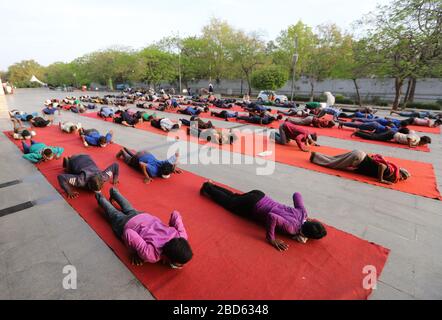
(21, 115)
(165, 124)
(40, 122)
(362, 163)
(312, 121)
(410, 138)
(39, 152)
(91, 137)
(126, 118)
(147, 237)
(82, 172)
(224, 114)
(370, 126)
(196, 122)
(20, 131)
(220, 136)
(69, 127)
(288, 131)
(149, 165)
(106, 112)
(256, 206)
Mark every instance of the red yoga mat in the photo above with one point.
(329, 132)
(231, 257)
(422, 182)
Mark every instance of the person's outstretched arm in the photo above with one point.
(58, 151)
(109, 136)
(67, 180)
(298, 202)
(145, 171)
(272, 221)
(176, 221)
(299, 142)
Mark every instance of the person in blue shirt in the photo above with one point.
(385, 121)
(370, 126)
(37, 152)
(106, 112)
(22, 116)
(149, 165)
(193, 111)
(92, 137)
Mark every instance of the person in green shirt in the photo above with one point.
(38, 152)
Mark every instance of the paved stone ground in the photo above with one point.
(36, 243)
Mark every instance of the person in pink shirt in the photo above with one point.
(256, 205)
(147, 237)
(288, 131)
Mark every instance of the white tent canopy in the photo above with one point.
(34, 79)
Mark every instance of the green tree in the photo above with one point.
(218, 35)
(248, 52)
(157, 66)
(406, 36)
(60, 73)
(269, 78)
(20, 73)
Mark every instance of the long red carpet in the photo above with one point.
(329, 132)
(422, 183)
(231, 257)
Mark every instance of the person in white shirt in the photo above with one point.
(70, 127)
(403, 136)
(165, 124)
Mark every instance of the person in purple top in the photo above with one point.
(255, 205)
(146, 236)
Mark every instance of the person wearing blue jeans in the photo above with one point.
(224, 114)
(116, 218)
(368, 126)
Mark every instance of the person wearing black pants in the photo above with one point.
(384, 136)
(275, 216)
(240, 204)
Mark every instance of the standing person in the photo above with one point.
(362, 163)
(210, 88)
(288, 131)
(82, 172)
(147, 237)
(255, 205)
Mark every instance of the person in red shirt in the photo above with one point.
(288, 131)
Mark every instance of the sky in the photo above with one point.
(62, 30)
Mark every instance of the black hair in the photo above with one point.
(95, 183)
(102, 140)
(178, 251)
(314, 136)
(425, 140)
(279, 117)
(48, 152)
(404, 130)
(313, 230)
(25, 133)
(404, 123)
(176, 126)
(166, 168)
(29, 117)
